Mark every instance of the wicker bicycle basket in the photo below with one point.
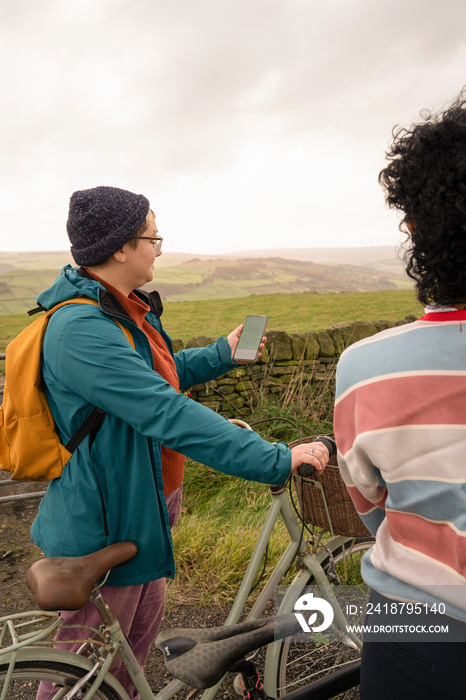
(326, 502)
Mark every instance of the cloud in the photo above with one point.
(263, 112)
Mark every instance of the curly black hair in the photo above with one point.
(426, 181)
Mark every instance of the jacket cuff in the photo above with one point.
(224, 350)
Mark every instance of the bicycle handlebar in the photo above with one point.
(330, 444)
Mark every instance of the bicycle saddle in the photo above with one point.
(201, 657)
(66, 583)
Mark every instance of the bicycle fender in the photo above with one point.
(33, 653)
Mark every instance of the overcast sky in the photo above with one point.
(247, 123)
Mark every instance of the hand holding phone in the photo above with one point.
(250, 339)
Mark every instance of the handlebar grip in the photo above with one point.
(330, 444)
(306, 469)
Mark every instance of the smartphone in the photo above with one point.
(250, 338)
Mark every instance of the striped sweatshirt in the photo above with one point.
(400, 426)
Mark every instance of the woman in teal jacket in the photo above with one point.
(115, 491)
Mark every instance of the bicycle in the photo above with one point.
(30, 656)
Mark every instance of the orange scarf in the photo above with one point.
(164, 364)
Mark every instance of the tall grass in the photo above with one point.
(216, 534)
(302, 407)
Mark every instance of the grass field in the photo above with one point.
(293, 313)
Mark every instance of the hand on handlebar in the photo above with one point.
(314, 453)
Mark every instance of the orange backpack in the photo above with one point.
(30, 447)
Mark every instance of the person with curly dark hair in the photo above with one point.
(400, 425)
(426, 181)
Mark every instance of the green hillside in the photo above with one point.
(214, 279)
(180, 277)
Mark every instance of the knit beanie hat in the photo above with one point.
(101, 220)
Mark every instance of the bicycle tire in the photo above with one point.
(295, 666)
(28, 674)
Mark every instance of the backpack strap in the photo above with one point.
(127, 332)
(91, 426)
(86, 300)
(93, 422)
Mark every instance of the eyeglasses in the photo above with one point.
(155, 240)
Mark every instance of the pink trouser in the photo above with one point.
(139, 610)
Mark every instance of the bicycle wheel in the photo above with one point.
(28, 674)
(301, 663)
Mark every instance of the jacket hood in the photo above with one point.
(69, 285)
(74, 282)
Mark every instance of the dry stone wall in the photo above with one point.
(287, 358)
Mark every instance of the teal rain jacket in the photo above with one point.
(87, 361)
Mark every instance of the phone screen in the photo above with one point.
(250, 338)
